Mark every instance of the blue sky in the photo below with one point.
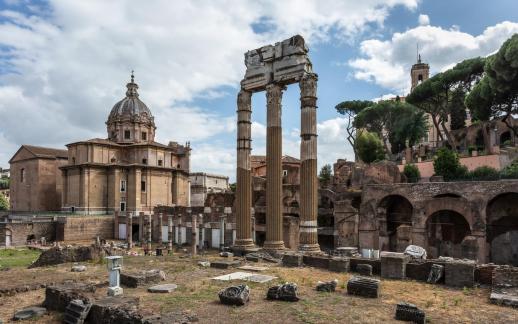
(63, 64)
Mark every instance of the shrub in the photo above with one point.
(510, 171)
(369, 147)
(4, 205)
(484, 173)
(447, 165)
(412, 173)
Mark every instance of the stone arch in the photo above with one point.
(395, 215)
(446, 231)
(459, 205)
(502, 228)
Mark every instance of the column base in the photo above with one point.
(312, 248)
(242, 247)
(274, 245)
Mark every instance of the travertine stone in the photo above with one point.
(339, 264)
(292, 260)
(244, 178)
(393, 265)
(274, 237)
(459, 273)
(308, 170)
(365, 287)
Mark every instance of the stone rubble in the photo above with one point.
(365, 287)
(285, 292)
(364, 269)
(29, 313)
(416, 252)
(327, 286)
(410, 313)
(76, 312)
(436, 273)
(235, 295)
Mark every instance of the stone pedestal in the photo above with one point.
(274, 237)
(339, 264)
(292, 260)
(393, 265)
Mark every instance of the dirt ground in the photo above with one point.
(197, 294)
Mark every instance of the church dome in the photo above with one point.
(131, 108)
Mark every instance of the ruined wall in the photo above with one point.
(78, 228)
(21, 232)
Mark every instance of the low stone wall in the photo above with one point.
(375, 263)
(21, 232)
(74, 228)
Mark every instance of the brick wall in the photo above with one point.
(85, 227)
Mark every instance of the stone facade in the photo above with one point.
(129, 171)
(36, 182)
(204, 183)
(457, 219)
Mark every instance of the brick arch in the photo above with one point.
(461, 206)
(395, 215)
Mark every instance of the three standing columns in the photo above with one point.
(308, 239)
(244, 177)
(274, 230)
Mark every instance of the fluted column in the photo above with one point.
(308, 239)
(274, 237)
(170, 234)
(244, 177)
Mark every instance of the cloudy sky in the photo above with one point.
(65, 63)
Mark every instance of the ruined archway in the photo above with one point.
(395, 223)
(505, 138)
(502, 229)
(445, 231)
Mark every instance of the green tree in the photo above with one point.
(233, 187)
(447, 165)
(412, 173)
(4, 204)
(369, 147)
(439, 95)
(394, 122)
(350, 109)
(325, 173)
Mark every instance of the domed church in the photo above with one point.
(128, 171)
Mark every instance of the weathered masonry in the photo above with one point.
(272, 68)
(476, 220)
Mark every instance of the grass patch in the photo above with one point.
(10, 258)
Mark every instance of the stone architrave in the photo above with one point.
(274, 237)
(308, 169)
(244, 240)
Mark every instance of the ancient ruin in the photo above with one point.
(272, 68)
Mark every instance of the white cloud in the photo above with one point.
(387, 63)
(64, 64)
(423, 20)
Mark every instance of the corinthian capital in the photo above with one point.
(308, 85)
(244, 100)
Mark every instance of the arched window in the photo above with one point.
(22, 175)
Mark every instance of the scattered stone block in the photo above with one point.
(436, 273)
(292, 260)
(365, 287)
(204, 264)
(317, 261)
(163, 289)
(235, 295)
(58, 297)
(29, 313)
(393, 265)
(375, 263)
(285, 292)
(78, 268)
(327, 286)
(410, 313)
(225, 264)
(226, 254)
(252, 257)
(259, 278)
(253, 268)
(364, 269)
(114, 310)
(459, 273)
(76, 312)
(340, 264)
(346, 251)
(137, 279)
(504, 290)
(234, 276)
(415, 252)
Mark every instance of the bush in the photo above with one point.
(325, 173)
(369, 147)
(510, 171)
(447, 165)
(4, 205)
(412, 173)
(484, 173)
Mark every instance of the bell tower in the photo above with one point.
(419, 72)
